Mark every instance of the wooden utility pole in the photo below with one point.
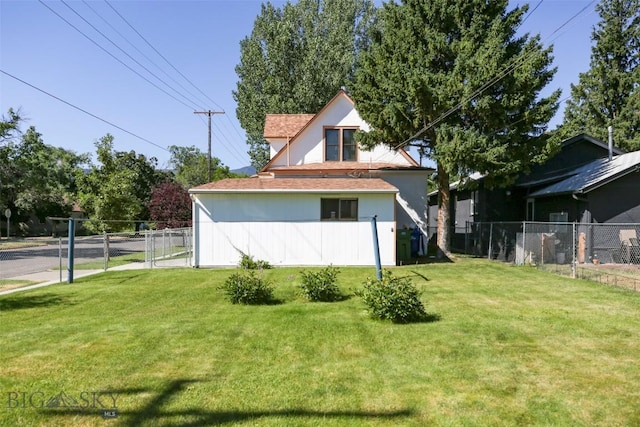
(209, 113)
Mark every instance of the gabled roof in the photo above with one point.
(594, 175)
(294, 185)
(591, 139)
(313, 118)
(284, 125)
(551, 176)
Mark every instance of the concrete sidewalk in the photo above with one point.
(52, 277)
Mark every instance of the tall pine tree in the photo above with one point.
(453, 75)
(608, 94)
(295, 60)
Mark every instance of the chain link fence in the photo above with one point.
(606, 253)
(24, 260)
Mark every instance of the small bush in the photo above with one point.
(247, 288)
(321, 285)
(248, 263)
(393, 298)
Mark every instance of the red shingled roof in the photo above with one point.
(304, 185)
(284, 125)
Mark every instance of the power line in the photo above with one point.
(233, 125)
(113, 56)
(84, 111)
(123, 51)
(161, 55)
(194, 97)
(209, 113)
(519, 62)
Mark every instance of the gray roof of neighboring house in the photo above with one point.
(475, 176)
(593, 175)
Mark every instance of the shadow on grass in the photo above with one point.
(24, 301)
(153, 413)
(417, 273)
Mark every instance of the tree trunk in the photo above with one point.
(444, 213)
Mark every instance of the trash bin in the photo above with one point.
(403, 247)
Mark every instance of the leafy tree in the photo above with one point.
(608, 94)
(118, 189)
(192, 169)
(295, 60)
(452, 75)
(170, 205)
(35, 178)
(9, 125)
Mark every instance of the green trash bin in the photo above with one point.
(403, 247)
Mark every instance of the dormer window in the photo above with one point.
(340, 144)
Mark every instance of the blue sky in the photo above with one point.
(199, 38)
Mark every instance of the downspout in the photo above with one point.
(610, 131)
(288, 153)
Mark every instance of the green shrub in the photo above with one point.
(247, 288)
(392, 298)
(321, 285)
(248, 263)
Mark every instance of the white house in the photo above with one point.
(313, 202)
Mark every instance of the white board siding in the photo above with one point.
(286, 230)
(412, 197)
(308, 147)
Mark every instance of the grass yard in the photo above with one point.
(512, 346)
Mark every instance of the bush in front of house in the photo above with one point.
(320, 286)
(392, 298)
(247, 288)
(248, 263)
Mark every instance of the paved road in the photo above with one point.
(18, 262)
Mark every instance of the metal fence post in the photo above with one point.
(490, 240)
(60, 256)
(524, 240)
(573, 252)
(164, 233)
(105, 248)
(70, 249)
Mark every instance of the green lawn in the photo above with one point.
(512, 346)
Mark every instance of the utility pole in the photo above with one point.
(209, 113)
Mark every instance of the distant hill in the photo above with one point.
(247, 170)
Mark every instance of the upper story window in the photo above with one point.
(340, 144)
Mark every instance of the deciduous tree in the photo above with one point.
(117, 189)
(452, 75)
(170, 206)
(35, 178)
(190, 166)
(295, 60)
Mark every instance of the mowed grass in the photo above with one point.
(511, 346)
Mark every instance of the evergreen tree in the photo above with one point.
(295, 60)
(608, 94)
(453, 75)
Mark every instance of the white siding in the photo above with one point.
(286, 230)
(412, 198)
(308, 147)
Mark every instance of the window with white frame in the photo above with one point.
(340, 144)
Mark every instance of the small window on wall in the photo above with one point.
(556, 217)
(340, 145)
(339, 209)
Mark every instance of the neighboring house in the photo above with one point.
(579, 184)
(312, 204)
